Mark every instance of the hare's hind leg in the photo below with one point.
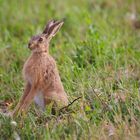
(20, 103)
(49, 98)
(59, 98)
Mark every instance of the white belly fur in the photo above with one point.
(39, 100)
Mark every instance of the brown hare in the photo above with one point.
(43, 83)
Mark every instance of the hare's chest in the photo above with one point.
(30, 71)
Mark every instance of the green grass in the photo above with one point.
(98, 56)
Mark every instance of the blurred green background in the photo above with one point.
(98, 56)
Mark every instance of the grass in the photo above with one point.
(98, 56)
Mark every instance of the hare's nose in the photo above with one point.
(29, 44)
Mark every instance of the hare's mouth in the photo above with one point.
(32, 47)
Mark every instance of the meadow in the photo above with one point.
(98, 57)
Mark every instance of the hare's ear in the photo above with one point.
(50, 23)
(52, 28)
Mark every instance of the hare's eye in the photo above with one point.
(40, 39)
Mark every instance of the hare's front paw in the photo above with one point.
(7, 114)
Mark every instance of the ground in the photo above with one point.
(98, 57)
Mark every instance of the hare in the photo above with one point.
(43, 83)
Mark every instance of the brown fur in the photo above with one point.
(40, 72)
